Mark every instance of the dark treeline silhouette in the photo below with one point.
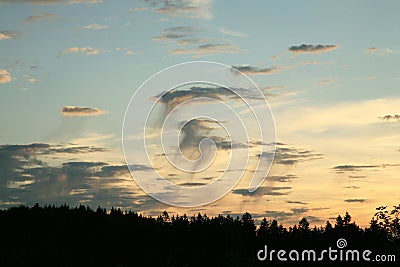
(80, 236)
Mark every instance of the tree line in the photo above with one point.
(80, 236)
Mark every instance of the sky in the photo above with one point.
(329, 71)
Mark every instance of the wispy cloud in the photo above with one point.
(8, 35)
(390, 117)
(183, 8)
(74, 111)
(128, 51)
(88, 51)
(193, 41)
(307, 48)
(288, 155)
(51, 2)
(5, 76)
(378, 51)
(174, 33)
(247, 69)
(353, 168)
(232, 33)
(40, 17)
(355, 200)
(94, 26)
(264, 191)
(137, 9)
(208, 49)
(325, 82)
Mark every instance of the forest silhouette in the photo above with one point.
(80, 236)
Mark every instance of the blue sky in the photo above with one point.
(328, 101)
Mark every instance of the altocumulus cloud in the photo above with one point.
(70, 111)
(307, 48)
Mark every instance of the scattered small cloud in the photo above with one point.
(286, 155)
(246, 69)
(74, 111)
(94, 26)
(296, 202)
(353, 168)
(183, 8)
(137, 9)
(232, 33)
(352, 187)
(325, 82)
(264, 191)
(315, 49)
(367, 78)
(88, 51)
(193, 41)
(390, 117)
(207, 49)
(8, 35)
(41, 17)
(128, 51)
(314, 62)
(174, 33)
(50, 2)
(355, 200)
(378, 51)
(5, 76)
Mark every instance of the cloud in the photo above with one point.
(5, 76)
(174, 33)
(355, 200)
(128, 51)
(172, 98)
(307, 48)
(183, 8)
(246, 69)
(137, 9)
(353, 168)
(94, 26)
(264, 191)
(35, 149)
(390, 117)
(232, 33)
(207, 49)
(282, 179)
(357, 168)
(50, 2)
(286, 155)
(70, 111)
(325, 82)
(192, 41)
(88, 51)
(40, 17)
(8, 35)
(378, 51)
(296, 202)
(28, 175)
